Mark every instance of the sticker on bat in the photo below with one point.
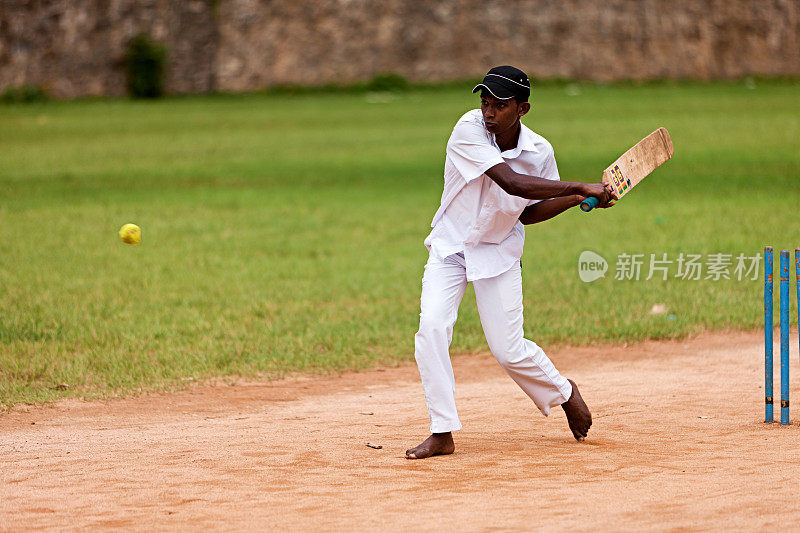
(622, 183)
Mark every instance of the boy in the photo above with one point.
(498, 176)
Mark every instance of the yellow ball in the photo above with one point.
(130, 234)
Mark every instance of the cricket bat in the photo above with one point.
(635, 165)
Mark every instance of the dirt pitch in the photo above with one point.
(677, 443)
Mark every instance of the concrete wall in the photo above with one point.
(75, 47)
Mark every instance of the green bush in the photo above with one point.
(388, 82)
(145, 65)
(24, 94)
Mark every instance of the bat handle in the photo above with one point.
(589, 204)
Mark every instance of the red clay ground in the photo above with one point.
(678, 442)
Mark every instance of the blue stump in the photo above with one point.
(768, 415)
(785, 337)
(797, 281)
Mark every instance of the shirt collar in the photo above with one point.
(525, 142)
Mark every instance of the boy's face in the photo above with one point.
(501, 115)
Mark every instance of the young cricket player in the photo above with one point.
(498, 175)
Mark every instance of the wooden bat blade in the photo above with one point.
(638, 162)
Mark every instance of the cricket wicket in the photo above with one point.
(768, 330)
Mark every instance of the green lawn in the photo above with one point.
(284, 233)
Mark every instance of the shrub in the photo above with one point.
(145, 65)
(24, 94)
(387, 82)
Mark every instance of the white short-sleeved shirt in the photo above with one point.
(476, 216)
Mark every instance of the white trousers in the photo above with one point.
(500, 307)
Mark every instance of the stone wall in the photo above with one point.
(75, 47)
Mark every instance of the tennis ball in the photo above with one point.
(130, 234)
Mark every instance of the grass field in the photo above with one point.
(284, 233)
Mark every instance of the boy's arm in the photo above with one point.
(547, 209)
(534, 188)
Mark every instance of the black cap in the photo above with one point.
(506, 82)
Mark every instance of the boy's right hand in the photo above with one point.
(601, 191)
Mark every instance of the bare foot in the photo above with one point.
(436, 444)
(578, 415)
